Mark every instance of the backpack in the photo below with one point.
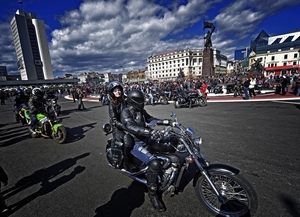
(76, 95)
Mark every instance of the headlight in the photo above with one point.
(197, 141)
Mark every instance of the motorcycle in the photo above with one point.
(189, 99)
(48, 126)
(238, 90)
(221, 189)
(103, 99)
(52, 106)
(160, 98)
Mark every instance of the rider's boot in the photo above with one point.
(126, 162)
(152, 188)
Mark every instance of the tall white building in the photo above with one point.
(31, 46)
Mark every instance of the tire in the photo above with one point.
(240, 195)
(176, 104)
(202, 102)
(61, 135)
(164, 101)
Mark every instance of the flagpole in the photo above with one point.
(21, 2)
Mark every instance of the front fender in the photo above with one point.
(56, 126)
(221, 168)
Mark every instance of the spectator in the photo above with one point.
(252, 86)
(80, 97)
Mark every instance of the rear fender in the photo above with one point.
(56, 126)
(222, 168)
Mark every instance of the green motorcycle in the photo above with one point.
(48, 126)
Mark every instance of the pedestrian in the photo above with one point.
(4, 180)
(2, 97)
(73, 90)
(251, 87)
(284, 84)
(246, 85)
(80, 97)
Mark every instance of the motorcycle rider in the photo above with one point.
(134, 117)
(20, 99)
(117, 103)
(36, 105)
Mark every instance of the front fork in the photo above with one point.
(203, 172)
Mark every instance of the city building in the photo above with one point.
(3, 73)
(31, 46)
(167, 65)
(278, 54)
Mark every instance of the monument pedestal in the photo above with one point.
(207, 67)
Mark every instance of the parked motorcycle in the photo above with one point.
(157, 98)
(189, 99)
(238, 90)
(48, 126)
(221, 189)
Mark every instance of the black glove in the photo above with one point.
(155, 134)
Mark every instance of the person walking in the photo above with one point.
(251, 87)
(80, 97)
(246, 85)
(2, 97)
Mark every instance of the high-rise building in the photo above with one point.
(31, 46)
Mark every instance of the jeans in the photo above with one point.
(80, 103)
(151, 98)
(246, 92)
(298, 91)
(34, 121)
(169, 93)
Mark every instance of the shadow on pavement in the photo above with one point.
(42, 177)
(77, 133)
(123, 201)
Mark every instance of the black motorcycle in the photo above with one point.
(103, 99)
(238, 90)
(52, 106)
(189, 99)
(157, 98)
(221, 189)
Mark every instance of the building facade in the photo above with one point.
(279, 54)
(3, 73)
(31, 46)
(166, 66)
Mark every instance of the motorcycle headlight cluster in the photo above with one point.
(197, 141)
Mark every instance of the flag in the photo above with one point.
(20, 1)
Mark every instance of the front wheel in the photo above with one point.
(240, 197)
(61, 135)
(202, 102)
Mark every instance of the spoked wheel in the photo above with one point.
(61, 135)
(240, 197)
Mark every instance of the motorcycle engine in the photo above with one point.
(181, 100)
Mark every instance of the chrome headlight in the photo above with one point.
(190, 131)
(197, 141)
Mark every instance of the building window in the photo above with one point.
(295, 55)
(284, 63)
(285, 56)
(272, 57)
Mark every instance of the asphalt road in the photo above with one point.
(65, 180)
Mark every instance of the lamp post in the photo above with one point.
(298, 60)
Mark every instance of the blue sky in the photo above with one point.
(118, 35)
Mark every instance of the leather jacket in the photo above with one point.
(115, 109)
(135, 121)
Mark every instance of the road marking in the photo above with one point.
(295, 103)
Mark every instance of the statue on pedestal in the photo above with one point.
(208, 43)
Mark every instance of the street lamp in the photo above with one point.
(298, 60)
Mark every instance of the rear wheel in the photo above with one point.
(61, 135)
(240, 197)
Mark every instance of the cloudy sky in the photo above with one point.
(118, 35)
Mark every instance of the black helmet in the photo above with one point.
(37, 92)
(135, 98)
(112, 85)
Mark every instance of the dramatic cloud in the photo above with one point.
(102, 36)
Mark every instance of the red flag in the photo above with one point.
(20, 1)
